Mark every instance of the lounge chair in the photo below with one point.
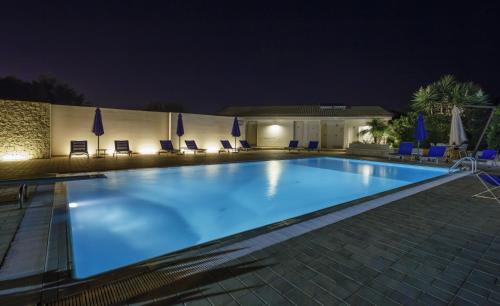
(293, 145)
(436, 153)
(191, 146)
(487, 155)
(491, 183)
(78, 147)
(245, 146)
(313, 146)
(226, 146)
(405, 149)
(122, 147)
(166, 147)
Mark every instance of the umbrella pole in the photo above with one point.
(235, 149)
(98, 146)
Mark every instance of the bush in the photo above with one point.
(493, 133)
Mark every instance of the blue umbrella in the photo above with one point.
(235, 131)
(98, 128)
(180, 129)
(420, 132)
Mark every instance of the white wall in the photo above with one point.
(274, 133)
(352, 129)
(142, 129)
(206, 130)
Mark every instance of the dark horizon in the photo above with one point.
(208, 55)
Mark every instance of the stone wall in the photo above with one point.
(24, 130)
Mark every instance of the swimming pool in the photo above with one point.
(134, 215)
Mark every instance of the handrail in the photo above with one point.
(23, 184)
(461, 160)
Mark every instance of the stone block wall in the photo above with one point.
(24, 129)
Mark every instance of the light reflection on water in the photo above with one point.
(135, 215)
(273, 171)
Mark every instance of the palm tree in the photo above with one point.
(440, 96)
(377, 130)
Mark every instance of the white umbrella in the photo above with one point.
(457, 133)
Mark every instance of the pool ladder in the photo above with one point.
(459, 162)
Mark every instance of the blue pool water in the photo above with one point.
(138, 214)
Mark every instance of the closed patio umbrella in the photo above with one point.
(98, 128)
(180, 129)
(457, 132)
(420, 132)
(235, 131)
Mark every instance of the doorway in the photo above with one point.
(251, 133)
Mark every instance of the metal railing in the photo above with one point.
(459, 162)
(23, 184)
(22, 195)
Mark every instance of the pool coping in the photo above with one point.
(64, 265)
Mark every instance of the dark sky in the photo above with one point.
(210, 54)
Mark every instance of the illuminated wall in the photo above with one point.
(142, 129)
(24, 130)
(274, 133)
(206, 130)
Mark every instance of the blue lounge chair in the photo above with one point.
(191, 146)
(166, 147)
(226, 146)
(313, 146)
(293, 145)
(436, 153)
(405, 149)
(488, 154)
(245, 146)
(491, 183)
(78, 147)
(122, 147)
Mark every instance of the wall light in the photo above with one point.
(73, 205)
(275, 129)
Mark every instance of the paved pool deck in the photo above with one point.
(437, 247)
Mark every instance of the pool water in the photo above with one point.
(134, 215)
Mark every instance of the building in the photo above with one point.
(42, 130)
(334, 126)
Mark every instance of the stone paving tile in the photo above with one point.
(433, 248)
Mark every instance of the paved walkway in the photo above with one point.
(437, 247)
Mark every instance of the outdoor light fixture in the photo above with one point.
(275, 129)
(147, 150)
(73, 205)
(212, 149)
(15, 155)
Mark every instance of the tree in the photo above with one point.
(45, 89)
(377, 130)
(401, 128)
(436, 101)
(440, 97)
(493, 134)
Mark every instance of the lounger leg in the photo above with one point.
(488, 190)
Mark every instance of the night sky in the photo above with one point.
(209, 54)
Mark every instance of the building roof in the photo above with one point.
(306, 111)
